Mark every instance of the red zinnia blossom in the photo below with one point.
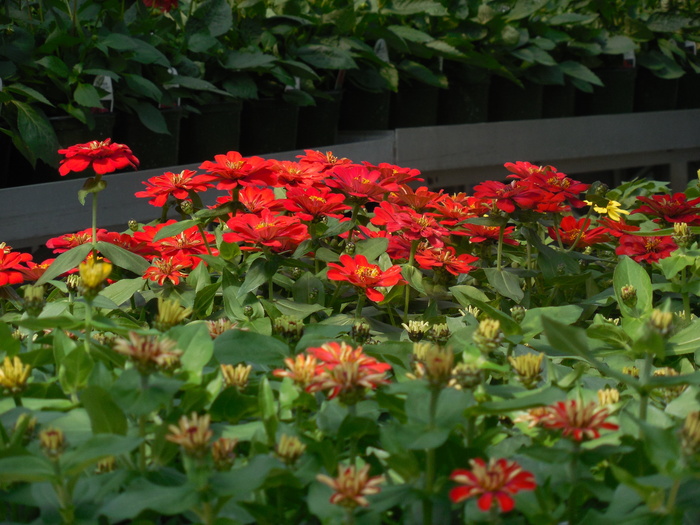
(291, 174)
(577, 420)
(346, 371)
(313, 203)
(498, 479)
(671, 208)
(396, 174)
(171, 268)
(445, 257)
(359, 182)
(164, 5)
(280, 233)
(351, 486)
(361, 274)
(158, 189)
(481, 233)
(232, 170)
(11, 269)
(576, 231)
(412, 225)
(103, 157)
(646, 249)
(71, 240)
(508, 197)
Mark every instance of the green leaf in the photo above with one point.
(238, 346)
(66, 261)
(628, 272)
(87, 95)
(505, 283)
(123, 258)
(94, 449)
(105, 415)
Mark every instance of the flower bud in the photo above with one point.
(236, 376)
(290, 449)
(528, 367)
(518, 313)
(628, 293)
(488, 335)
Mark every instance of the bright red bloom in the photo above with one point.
(577, 420)
(346, 371)
(280, 233)
(397, 174)
(359, 182)
(419, 199)
(576, 231)
(508, 197)
(164, 5)
(170, 268)
(412, 225)
(496, 480)
(646, 249)
(361, 274)
(312, 203)
(671, 208)
(431, 258)
(232, 170)
(103, 157)
(65, 242)
(179, 185)
(291, 174)
(11, 269)
(481, 233)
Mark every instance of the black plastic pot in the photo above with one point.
(652, 93)
(154, 150)
(364, 110)
(614, 97)
(215, 130)
(318, 125)
(268, 126)
(464, 102)
(509, 101)
(414, 106)
(558, 101)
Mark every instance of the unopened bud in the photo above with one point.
(236, 376)
(488, 335)
(518, 313)
(528, 367)
(290, 449)
(661, 322)
(628, 294)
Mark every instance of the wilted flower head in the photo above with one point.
(148, 353)
(192, 434)
(14, 375)
(351, 486)
(497, 479)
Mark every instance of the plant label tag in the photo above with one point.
(629, 59)
(691, 47)
(105, 83)
(382, 50)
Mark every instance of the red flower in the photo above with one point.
(361, 274)
(280, 233)
(498, 479)
(576, 231)
(313, 203)
(170, 268)
(71, 240)
(103, 157)
(11, 269)
(158, 189)
(163, 5)
(671, 208)
(445, 257)
(232, 170)
(646, 249)
(576, 420)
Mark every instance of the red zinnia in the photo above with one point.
(103, 157)
(646, 249)
(361, 274)
(498, 479)
(158, 189)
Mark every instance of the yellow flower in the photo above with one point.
(612, 210)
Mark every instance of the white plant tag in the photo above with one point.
(382, 50)
(105, 83)
(629, 59)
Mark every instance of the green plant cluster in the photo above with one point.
(198, 51)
